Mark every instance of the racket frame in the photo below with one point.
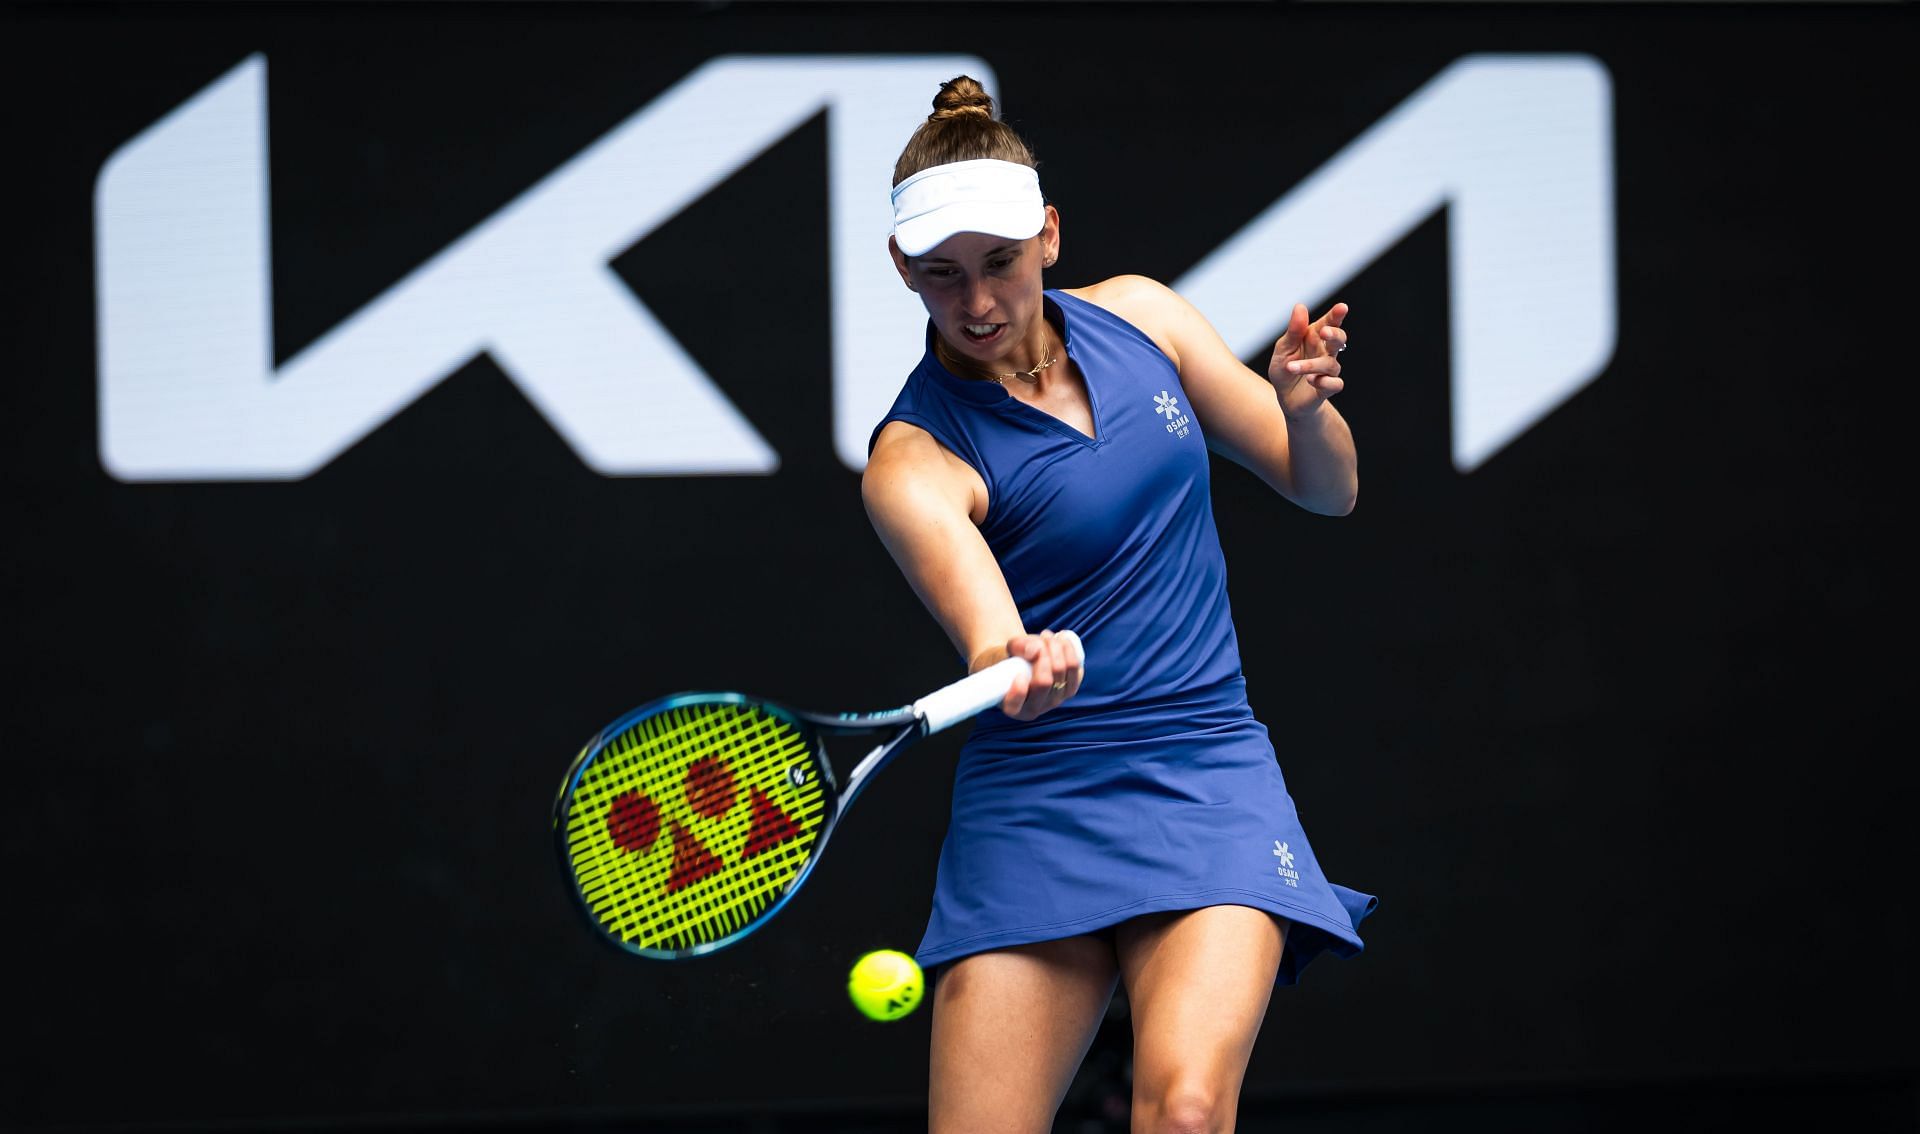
(937, 711)
(908, 722)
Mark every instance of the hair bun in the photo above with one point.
(962, 127)
(961, 95)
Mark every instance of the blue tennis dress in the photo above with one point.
(1154, 788)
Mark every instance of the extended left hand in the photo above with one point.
(1305, 369)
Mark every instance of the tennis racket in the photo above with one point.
(686, 824)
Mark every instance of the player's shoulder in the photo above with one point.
(900, 443)
(1126, 293)
(900, 449)
(908, 462)
(1155, 309)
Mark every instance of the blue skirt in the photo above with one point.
(1077, 822)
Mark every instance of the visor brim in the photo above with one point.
(1013, 220)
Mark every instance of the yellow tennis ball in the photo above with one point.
(886, 984)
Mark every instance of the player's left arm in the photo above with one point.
(1282, 426)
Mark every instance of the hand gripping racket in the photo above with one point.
(689, 822)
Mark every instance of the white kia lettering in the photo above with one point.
(1514, 147)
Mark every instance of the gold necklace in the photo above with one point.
(1031, 377)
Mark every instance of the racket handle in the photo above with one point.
(978, 692)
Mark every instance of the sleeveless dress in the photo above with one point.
(1154, 788)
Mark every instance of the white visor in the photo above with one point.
(999, 198)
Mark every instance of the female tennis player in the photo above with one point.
(1045, 466)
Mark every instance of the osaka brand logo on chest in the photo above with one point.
(1168, 406)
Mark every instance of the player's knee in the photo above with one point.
(1188, 1107)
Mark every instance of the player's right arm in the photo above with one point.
(925, 504)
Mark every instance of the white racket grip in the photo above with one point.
(979, 691)
(969, 695)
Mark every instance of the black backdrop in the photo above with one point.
(1609, 723)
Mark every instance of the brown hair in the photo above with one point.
(961, 128)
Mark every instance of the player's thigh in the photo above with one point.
(1198, 983)
(1010, 1027)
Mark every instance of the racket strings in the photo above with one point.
(688, 824)
(639, 895)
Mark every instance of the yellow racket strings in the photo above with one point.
(689, 824)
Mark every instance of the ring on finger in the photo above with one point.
(1059, 685)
